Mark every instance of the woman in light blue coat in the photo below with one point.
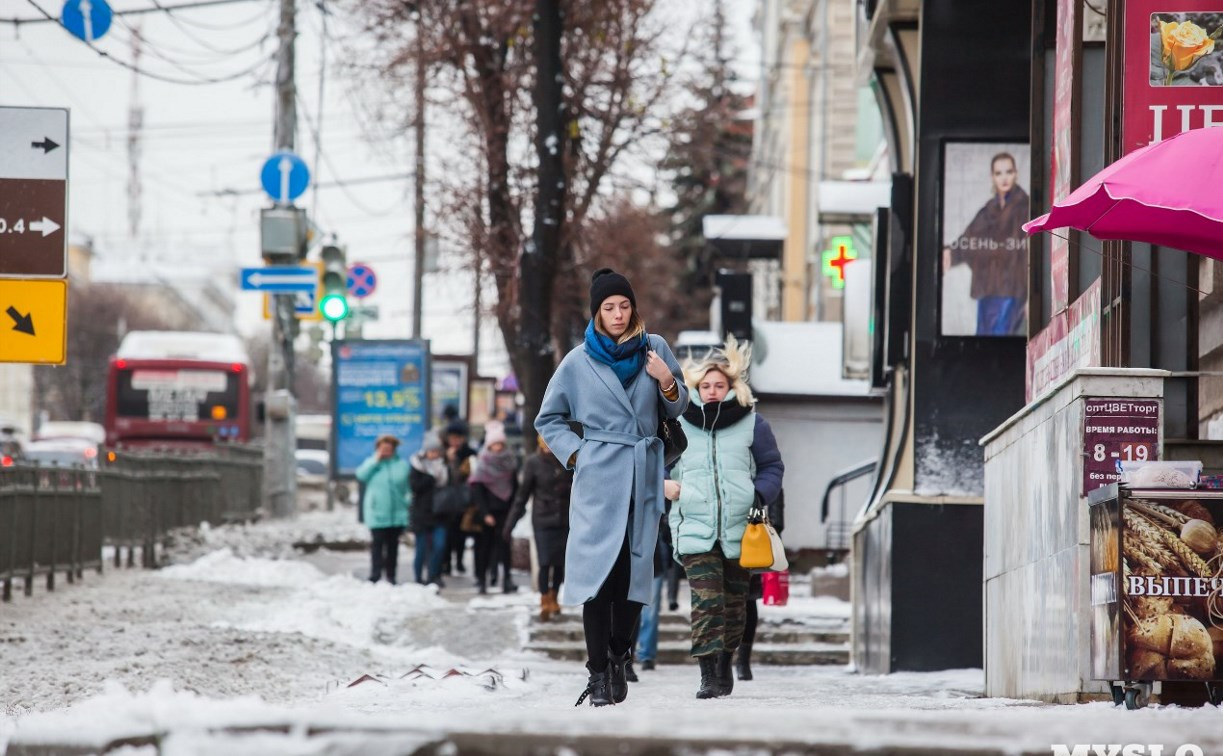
(612, 386)
(385, 505)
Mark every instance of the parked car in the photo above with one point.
(53, 430)
(63, 452)
(312, 468)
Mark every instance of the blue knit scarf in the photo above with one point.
(624, 359)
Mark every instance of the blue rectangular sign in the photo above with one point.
(378, 387)
(279, 278)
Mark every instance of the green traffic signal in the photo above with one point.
(333, 307)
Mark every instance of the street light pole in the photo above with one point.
(280, 470)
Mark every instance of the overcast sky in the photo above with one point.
(201, 142)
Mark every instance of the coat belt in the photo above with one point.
(647, 458)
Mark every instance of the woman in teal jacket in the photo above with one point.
(385, 505)
(731, 464)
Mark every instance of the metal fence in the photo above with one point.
(57, 519)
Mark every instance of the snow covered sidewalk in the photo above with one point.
(238, 653)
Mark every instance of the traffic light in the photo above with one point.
(333, 304)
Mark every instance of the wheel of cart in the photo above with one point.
(1214, 692)
(1135, 695)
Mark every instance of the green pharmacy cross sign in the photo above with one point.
(835, 259)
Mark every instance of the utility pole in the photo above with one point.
(537, 265)
(418, 273)
(280, 469)
(135, 127)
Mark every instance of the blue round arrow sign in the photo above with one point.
(361, 280)
(86, 19)
(284, 176)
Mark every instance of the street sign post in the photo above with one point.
(280, 279)
(361, 280)
(305, 303)
(33, 319)
(33, 192)
(284, 176)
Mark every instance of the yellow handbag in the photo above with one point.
(756, 549)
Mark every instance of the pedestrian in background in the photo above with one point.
(755, 592)
(428, 473)
(493, 484)
(615, 385)
(547, 484)
(458, 461)
(384, 505)
(731, 463)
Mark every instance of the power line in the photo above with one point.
(333, 184)
(157, 8)
(159, 77)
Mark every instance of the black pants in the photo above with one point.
(493, 551)
(383, 553)
(456, 546)
(749, 623)
(550, 547)
(610, 619)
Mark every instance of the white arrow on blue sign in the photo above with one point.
(86, 19)
(279, 279)
(284, 176)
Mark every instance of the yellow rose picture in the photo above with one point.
(1184, 50)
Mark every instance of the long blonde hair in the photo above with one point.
(732, 361)
(636, 327)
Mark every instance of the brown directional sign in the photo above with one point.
(32, 227)
(33, 192)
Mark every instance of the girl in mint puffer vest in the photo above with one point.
(731, 463)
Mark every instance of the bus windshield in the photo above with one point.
(183, 394)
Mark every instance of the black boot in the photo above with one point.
(598, 688)
(629, 674)
(709, 677)
(617, 670)
(726, 678)
(743, 661)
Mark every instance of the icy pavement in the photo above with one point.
(241, 653)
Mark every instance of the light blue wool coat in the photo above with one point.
(619, 460)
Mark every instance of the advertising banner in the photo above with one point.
(985, 249)
(450, 384)
(1173, 76)
(1063, 173)
(1160, 582)
(379, 387)
(1071, 340)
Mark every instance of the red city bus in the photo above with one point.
(178, 389)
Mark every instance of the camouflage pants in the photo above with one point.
(719, 589)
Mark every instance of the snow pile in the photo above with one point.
(807, 610)
(223, 567)
(270, 538)
(118, 713)
(336, 608)
(839, 570)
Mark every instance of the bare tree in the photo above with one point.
(481, 52)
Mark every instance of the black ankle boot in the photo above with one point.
(743, 661)
(617, 669)
(709, 677)
(726, 678)
(629, 674)
(598, 688)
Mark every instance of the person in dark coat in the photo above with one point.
(547, 483)
(755, 592)
(428, 473)
(458, 453)
(493, 484)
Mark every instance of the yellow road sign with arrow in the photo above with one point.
(33, 320)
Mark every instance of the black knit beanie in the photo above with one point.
(607, 283)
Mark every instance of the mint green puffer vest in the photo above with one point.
(716, 490)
